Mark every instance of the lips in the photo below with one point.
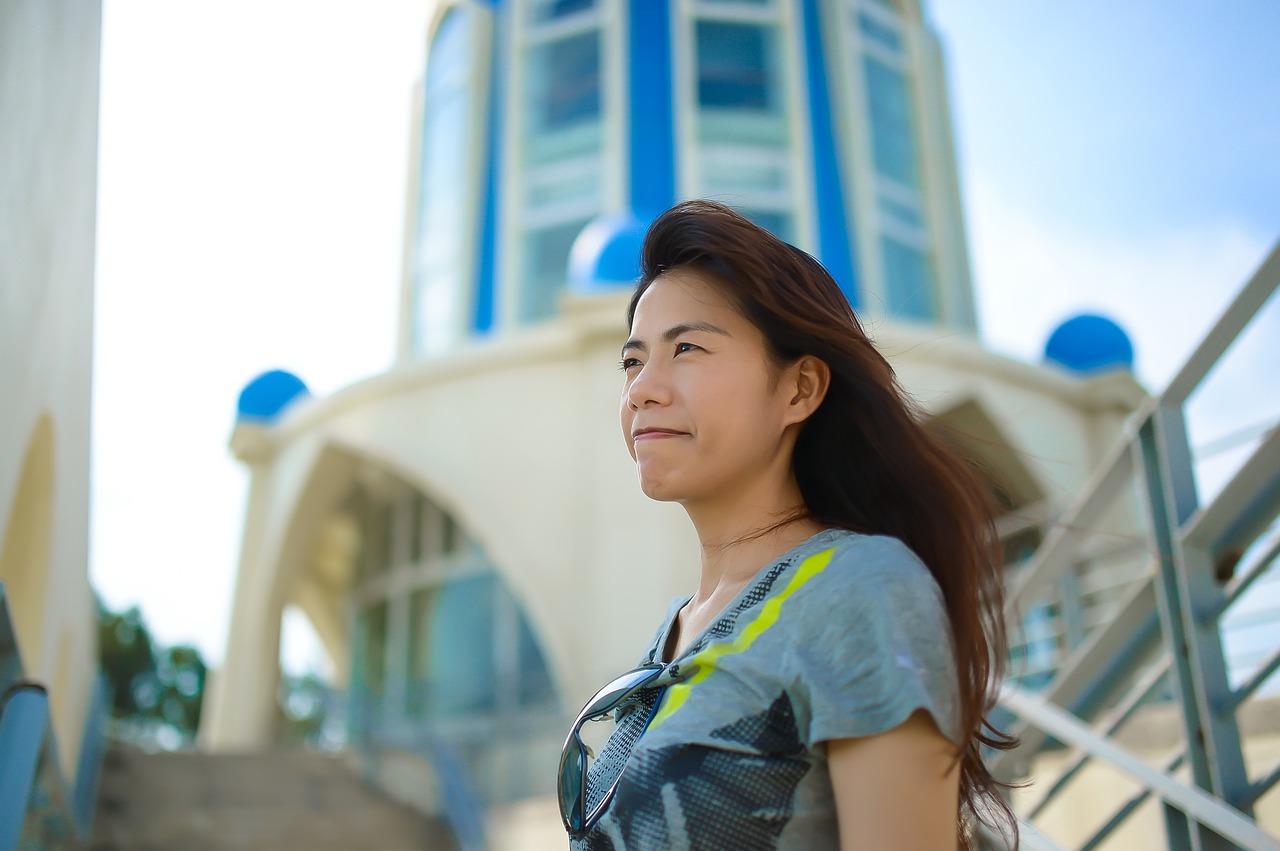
(656, 433)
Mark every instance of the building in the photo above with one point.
(464, 531)
(48, 193)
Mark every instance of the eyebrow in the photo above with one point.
(673, 332)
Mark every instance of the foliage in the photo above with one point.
(157, 691)
(304, 703)
(152, 687)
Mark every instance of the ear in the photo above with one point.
(808, 380)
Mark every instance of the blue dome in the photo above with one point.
(267, 395)
(1089, 343)
(606, 255)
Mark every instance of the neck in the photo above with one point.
(740, 537)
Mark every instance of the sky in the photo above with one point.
(1121, 158)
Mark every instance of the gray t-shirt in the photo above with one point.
(845, 635)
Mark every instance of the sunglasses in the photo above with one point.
(572, 787)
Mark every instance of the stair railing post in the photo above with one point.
(1185, 588)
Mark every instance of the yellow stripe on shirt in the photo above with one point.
(704, 661)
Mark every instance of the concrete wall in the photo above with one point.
(48, 190)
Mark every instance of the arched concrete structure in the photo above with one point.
(518, 440)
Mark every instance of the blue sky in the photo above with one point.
(1115, 157)
(1136, 117)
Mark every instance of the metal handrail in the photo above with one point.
(36, 800)
(23, 711)
(1056, 553)
(1182, 599)
(1194, 803)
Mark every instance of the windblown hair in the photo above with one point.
(864, 460)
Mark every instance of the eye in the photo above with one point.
(628, 363)
(681, 348)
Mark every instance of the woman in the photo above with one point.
(825, 686)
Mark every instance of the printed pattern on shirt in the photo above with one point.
(689, 796)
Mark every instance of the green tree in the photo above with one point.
(127, 658)
(151, 685)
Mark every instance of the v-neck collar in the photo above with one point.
(734, 607)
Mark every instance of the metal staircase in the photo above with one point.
(1153, 646)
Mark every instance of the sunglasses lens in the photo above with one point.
(571, 786)
(572, 791)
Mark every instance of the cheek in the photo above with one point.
(626, 417)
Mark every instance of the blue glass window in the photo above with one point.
(443, 189)
(733, 66)
(546, 262)
(552, 9)
(893, 138)
(564, 82)
(907, 214)
(776, 223)
(455, 652)
(908, 280)
(878, 31)
(456, 630)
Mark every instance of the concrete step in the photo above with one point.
(275, 801)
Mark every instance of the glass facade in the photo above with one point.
(546, 261)
(745, 155)
(452, 666)
(908, 280)
(562, 141)
(442, 235)
(738, 95)
(733, 66)
(442, 648)
(547, 10)
(486, 256)
(893, 133)
(876, 30)
(563, 88)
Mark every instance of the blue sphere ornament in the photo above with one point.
(606, 254)
(1089, 343)
(265, 397)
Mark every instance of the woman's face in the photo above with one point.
(703, 411)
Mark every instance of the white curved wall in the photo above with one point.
(48, 191)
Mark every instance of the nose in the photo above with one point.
(648, 387)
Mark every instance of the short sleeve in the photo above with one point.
(872, 644)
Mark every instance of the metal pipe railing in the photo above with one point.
(1196, 804)
(1183, 599)
(24, 714)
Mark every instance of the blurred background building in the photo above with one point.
(48, 191)
(464, 531)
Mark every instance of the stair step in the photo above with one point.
(274, 801)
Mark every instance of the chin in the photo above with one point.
(657, 492)
(660, 488)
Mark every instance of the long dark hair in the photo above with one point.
(864, 460)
